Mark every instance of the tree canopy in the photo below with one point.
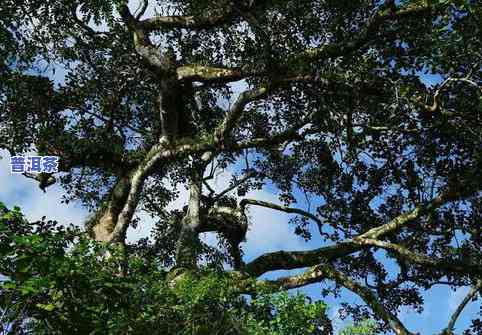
(369, 111)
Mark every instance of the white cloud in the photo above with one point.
(268, 229)
(17, 190)
(336, 320)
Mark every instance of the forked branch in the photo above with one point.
(369, 297)
(284, 260)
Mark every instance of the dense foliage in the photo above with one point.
(362, 117)
(59, 284)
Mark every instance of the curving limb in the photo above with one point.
(253, 202)
(473, 293)
(234, 114)
(368, 297)
(285, 260)
(327, 271)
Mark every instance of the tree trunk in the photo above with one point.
(188, 243)
(103, 223)
(171, 108)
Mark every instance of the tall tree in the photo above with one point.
(330, 99)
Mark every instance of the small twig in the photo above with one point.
(236, 184)
(142, 9)
(210, 189)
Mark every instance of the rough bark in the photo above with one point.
(187, 245)
(105, 220)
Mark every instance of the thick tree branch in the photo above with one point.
(202, 73)
(101, 225)
(174, 149)
(219, 218)
(288, 260)
(234, 114)
(232, 224)
(222, 132)
(156, 154)
(233, 11)
(313, 275)
(419, 259)
(368, 296)
(207, 73)
(365, 34)
(282, 260)
(186, 249)
(187, 21)
(143, 45)
(169, 150)
(402, 220)
(326, 271)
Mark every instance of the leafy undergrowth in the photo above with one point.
(60, 282)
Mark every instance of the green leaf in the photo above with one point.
(47, 307)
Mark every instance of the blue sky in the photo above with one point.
(269, 231)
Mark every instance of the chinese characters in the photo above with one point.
(34, 164)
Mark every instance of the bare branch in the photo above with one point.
(235, 184)
(102, 118)
(234, 114)
(436, 98)
(291, 134)
(435, 106)
(474, 291)
(142, 9)
(285, 209)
